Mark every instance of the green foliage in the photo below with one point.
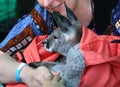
(7, 9)
(11, 11)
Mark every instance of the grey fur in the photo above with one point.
(51, 43)
(65, 40)
(73, 69)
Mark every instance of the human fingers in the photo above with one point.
(62, 81)
(34, 83)
(55, 73)
(43, 73)
(56, 78)
(49, 78)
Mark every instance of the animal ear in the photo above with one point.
(71, 16)
(62, 22)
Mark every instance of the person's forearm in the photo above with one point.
(8, 66)
(27, 74)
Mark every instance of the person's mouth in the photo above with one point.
(57, 6)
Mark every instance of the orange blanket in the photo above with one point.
(102, 59)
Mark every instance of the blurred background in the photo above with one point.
(11, 11)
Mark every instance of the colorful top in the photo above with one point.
(38, 22)
(28, 20)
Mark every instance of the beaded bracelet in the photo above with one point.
(18, 70)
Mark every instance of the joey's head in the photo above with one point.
(70, 26)
(66, 35)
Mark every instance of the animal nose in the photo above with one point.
(46, 43)
(43, 42)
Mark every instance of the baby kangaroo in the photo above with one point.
(65, 40)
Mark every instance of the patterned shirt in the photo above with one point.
(116, 19)
(28, 20)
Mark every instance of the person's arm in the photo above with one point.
(7, 68)
(28, 74)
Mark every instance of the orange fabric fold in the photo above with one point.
(102, 60)
(36, 52)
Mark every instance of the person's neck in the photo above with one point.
(83, 11)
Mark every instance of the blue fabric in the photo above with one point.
(115, 18)
(27, 20)
(1, 85)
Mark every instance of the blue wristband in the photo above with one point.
(18, 70)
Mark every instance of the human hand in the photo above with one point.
(54, 81)
(34, 77)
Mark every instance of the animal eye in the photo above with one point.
(54, 37)
(65, 29)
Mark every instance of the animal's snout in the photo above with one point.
(46, 43)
